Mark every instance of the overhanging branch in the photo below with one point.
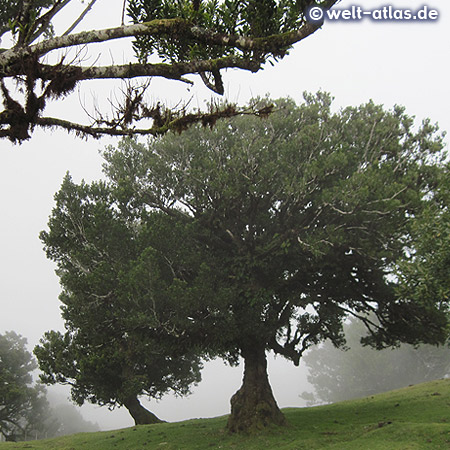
(170, 71)
(175, 123)
(177, 28)
(216, 51)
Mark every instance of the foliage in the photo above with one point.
(23, 405)
(423, 273)
(360, 371)
(247, 18)
(171, 40)
(117, 344)
(415, 417)
(11, 11)
(256, 235)
(306, 213)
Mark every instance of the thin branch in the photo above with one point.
(390, 198)
(123, 11)
(367, 322)
(339, 210)
(217, 86)
(369, 141)
(80, 18)
(178, 123)
(44, 21)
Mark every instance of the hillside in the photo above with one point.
(416, 417)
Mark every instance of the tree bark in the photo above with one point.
(140, 415)
(253, 407)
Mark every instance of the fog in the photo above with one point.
(391, 63)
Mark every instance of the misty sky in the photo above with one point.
(391, 63)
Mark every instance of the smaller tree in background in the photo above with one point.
(358, 371)
(70, 420)
(24, 410)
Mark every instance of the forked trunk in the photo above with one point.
(140, 415)
(253, 407)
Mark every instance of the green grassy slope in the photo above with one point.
(417, 417)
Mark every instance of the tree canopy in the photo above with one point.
(268, 234)
(171, 40)
(118, 344)
(424, 273)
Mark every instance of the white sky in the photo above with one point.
(391, 63)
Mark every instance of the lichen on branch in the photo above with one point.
(189, 38)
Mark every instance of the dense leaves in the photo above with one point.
(424, 272)
(111, 352)
(12, 14)
(257, 235)
(307, 211)
(248, 18)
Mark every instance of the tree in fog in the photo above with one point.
(70, 420)
(255, 236)
(424, 271)
(24, 410)
(359, 371)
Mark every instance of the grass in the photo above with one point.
(416, 417)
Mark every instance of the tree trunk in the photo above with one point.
(140, 415)
(253, 407)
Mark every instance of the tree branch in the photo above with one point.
(23, 62)
(44, 21)
(174, 123)
(175, 28)
(80, 18)
(170, 71)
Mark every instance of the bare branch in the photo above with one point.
(124, 8)
(44, 21)
(80, 18)
(217, 86)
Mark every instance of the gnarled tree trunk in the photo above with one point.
(140, 415)
(253, 407)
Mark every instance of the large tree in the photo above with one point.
(171, 40)
(268, 234)
(24, 410)
(112, 351)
